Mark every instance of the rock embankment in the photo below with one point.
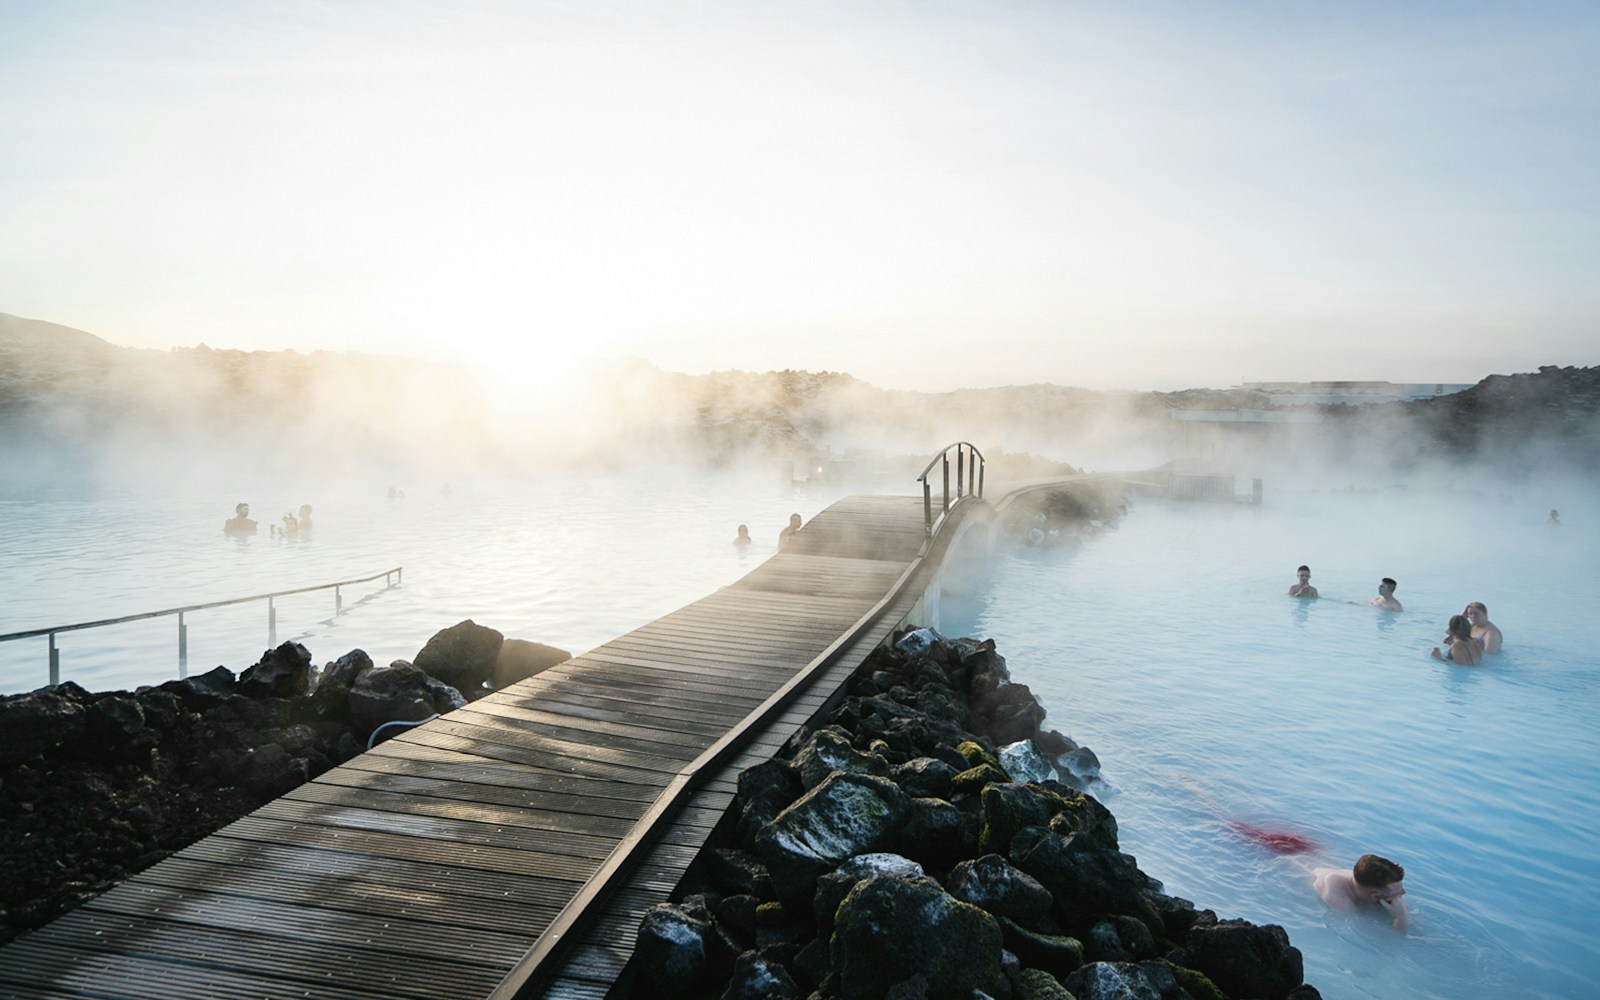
(97, 786)
(930, 840)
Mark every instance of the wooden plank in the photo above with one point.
(256, 831)
(499, 775)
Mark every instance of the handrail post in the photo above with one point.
(338, 600)
(55, 661)
(927, 507)
(272, 624)
(961, 470)
(183, 648)
(947, 482)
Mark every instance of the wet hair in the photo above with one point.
(1460, 627)
(1390, 582)
(1479, 606)
(1303, 569)
(1375, 872)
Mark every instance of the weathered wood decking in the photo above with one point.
(431, 865)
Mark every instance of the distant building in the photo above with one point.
(1353, 393)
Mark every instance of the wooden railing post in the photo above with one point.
(969, 481)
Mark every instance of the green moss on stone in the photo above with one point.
(975, 754)
(976, 779)
(1196, 983)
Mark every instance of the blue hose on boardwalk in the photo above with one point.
(397, 722)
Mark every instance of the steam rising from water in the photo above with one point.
(78, 413)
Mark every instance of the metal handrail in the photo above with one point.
(969, 480)
(391, 577)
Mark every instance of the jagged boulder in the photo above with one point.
(1037, 984)
(284, 672)
(670, 950)
(846, 815)
(938, 834)
(757, 978)
(330, 699)
(992, 883)
(764, 791)
(38, 720)
(1009, 713)
(1117, 981)
(924, 777)
(204, 691)
(892, 929)
(519, 659)
(116, 728)
(826, 751)
(1085, 878)
(398, 692)
(1243, 959)
(462, 656)
(1023, 761)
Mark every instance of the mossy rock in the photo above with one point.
(1056, 954)
(976, 779)
(975, 753)
(1196, 984)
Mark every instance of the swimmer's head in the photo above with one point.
(241, 509)
(1373, 872)
(1476, 611)
(1304, 573)
(1387, 582)
(1460, 627)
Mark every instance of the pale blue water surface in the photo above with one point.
(569, 561)
(1170, 648)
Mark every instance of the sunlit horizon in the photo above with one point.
(1145, 197)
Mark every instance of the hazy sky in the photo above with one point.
(1137, 195)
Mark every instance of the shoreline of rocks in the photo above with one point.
(930, 841)
(96, 786)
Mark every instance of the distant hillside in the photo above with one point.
(19, 336)
(67, 396)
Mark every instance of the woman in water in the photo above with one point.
(1463, 651)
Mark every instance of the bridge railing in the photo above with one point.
(391, 578)
(969, 470)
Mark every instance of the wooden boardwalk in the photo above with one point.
(434, 865)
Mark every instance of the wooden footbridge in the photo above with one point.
(509, 848)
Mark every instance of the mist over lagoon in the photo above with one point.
(571, 517)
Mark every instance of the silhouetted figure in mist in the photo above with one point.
(305, 519)
(789, 532)
(1302, 586)
(742, 539)
(1386, 599)
(1554, 518)
(395, 494)
(239, 523)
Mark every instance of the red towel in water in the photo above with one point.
(1275, 841)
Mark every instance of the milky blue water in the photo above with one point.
(1170, 648)
(569, 561)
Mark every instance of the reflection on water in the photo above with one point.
(573, 563)
(1170, 648)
